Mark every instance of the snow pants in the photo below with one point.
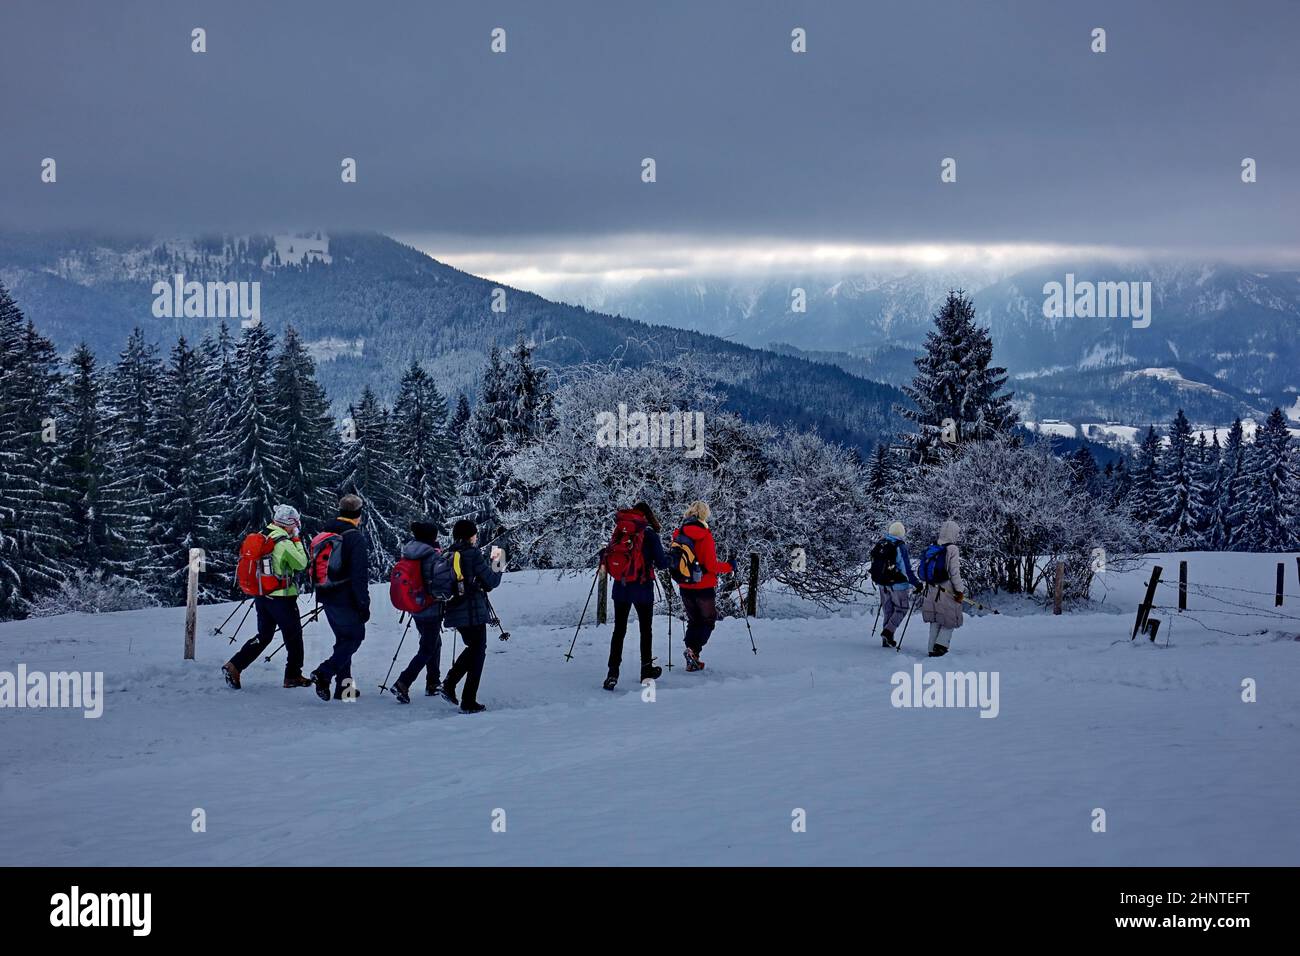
(429, 654)
(645, 621)
(701, 607)
(273, 612)
(349, 631)
(469, 664)
(940, 635)
(894, 606)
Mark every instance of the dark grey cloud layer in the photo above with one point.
(1137, 146)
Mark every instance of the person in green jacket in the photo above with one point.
(280, 607)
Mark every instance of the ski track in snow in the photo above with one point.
(707, 774)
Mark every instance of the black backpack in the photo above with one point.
(884, 563)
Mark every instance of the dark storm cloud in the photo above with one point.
(1137, 146)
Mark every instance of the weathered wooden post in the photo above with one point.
(602, 592)
(1281, 574)
(192, 601)
(1182, 586)
(751, 599)
(1060, 587)
(1144, 609)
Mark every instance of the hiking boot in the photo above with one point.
(297, 680)
(472, 707)
(693, 662)
(887, 638)
(322, 685)
(448, 691)
(611, 679)
(401, 692)
(650, 672)
(939, 650)
(348, 685)
(231, 673)
(431, 687)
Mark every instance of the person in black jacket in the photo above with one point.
(423, 547)
(641, 595)
(470, 615)
(346, 608)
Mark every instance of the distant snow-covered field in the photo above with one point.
(713, 771)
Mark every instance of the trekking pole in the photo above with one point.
(667, 592)
(911, 606)
(217, 630)
(583, 615)
(879, 603)
(977, 604)
(495, 619)
(746, 615)
(383, 689)
(241, 624)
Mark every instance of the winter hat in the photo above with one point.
(897, 530)
(350, 506)
(424, 531)
(286, 515)
(949, 532)
(699, 510)
(464, 529)
(649, 514)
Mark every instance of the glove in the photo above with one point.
(918, 589)
(959, 596)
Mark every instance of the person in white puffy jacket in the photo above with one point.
(941, 608)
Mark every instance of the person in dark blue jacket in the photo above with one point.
(346, 608)
(423, 547)
(470, 615)
(641, 595)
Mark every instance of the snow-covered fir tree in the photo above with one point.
(1229, 513)
(426, 456)
(1270, 518)
(485, 443)
(956, 385)
(1144, 491)
(252, 432)
(882, 473)
(306, 440)
(1180, 490)
(368, 467)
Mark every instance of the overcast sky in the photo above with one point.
(537, 152)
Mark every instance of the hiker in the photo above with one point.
(699, 598)
(423, 547)
(347, 608)
(944, 589)
(469, 614)
(631, 559)
(891, 570)
(278, 606)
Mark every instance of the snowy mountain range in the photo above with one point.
(1223, 340)
(366, 305)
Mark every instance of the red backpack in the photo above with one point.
(406, 587)
(325, 566)
(253, 572)
(625, 557)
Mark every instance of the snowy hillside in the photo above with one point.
(1157, 735)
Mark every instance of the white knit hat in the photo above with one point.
(897, 530)
(286, 515)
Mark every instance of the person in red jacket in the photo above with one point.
(699, 600)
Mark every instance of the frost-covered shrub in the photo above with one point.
(770, 491)
(1020, 511)
(92, 594)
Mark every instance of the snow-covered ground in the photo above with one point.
(711, 772)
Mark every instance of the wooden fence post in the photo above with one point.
(602, 592)
(751, 600)
(1281, 574)
(1060, 587)
(1182, 586)
(1144, 609)
(192, 601)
